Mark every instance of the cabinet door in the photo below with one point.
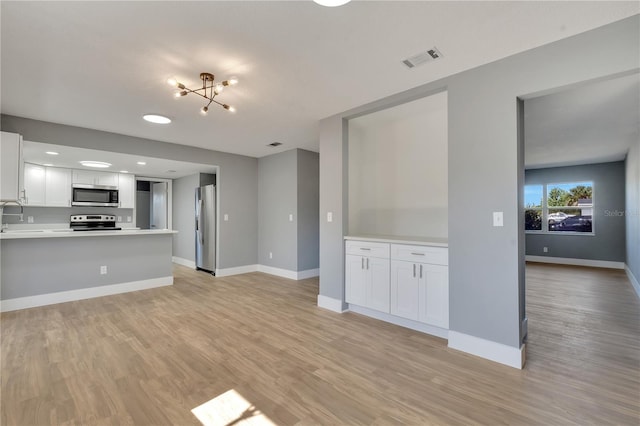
(405, 285)
(434, 295)
(34, 184)
(10, 163)
(378, 283)
(58, 187)
(106, 178)
(126, 190)
(354, 280)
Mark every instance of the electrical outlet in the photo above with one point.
(128, 218)
(226, 217)
(270, 255)
(29, 219)
(498, 219)
(545, 249)
(119, 218)
(103, 270)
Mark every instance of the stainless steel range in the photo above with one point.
(93, 222)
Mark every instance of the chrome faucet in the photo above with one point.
(2, 213)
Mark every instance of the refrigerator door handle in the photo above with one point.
(199, 225)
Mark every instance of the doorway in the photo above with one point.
(153, 203)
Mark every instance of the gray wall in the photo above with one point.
(143, 209)
(73, 263)
(277, 199)
(609, 229)
(632, 213)
(308, 210)
(485, 168)
(237, 179)
(184, 213)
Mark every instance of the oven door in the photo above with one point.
(84, 195)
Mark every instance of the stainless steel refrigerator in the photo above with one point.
(206, 228)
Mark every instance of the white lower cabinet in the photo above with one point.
(367, 281)
(406, 281)
(405, 290)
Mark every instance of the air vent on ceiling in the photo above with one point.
(422, 58)
(275, 144)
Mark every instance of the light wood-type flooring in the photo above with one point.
(255, 349)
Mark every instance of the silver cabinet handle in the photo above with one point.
(362, 267)
(367, 263)
(417, 254)
(364, 248)
(420, 271)
(414, 270)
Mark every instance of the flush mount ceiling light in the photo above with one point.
(331, 3)
(96, 164)
(156, 119)
(141, 163)
(209, 90)
(51, 153)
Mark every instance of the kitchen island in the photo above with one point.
(43, 267)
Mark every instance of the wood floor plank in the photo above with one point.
(151, 357)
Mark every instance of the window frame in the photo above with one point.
(545, 209)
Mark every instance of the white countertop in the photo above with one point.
(69, 233)
(419, 241)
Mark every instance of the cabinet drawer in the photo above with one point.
(367, 248)
(421, 254)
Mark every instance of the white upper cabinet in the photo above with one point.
(34, 184)
(90, 177)
(58, 187)
(10, 166)
(127, 190)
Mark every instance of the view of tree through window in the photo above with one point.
(565, 207)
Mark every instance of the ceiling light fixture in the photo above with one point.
(331, 3)
(141, 163)
(47, 164)
(209, 90)
(156, 119)
(124, 171)
(51, 153)
(96, 164)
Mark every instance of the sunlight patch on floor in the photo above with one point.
(230, 408)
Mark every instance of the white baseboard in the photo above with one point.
(633, 279)
(403, 322)
(508, 355)
(184, 262)
(236, 271)
(577, 262)
(330, 304)
(81, 294)
(286, 273)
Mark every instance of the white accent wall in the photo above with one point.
(398, 170)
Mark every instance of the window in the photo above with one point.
(559, 207)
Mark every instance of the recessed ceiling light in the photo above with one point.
(331, 3)
(51, 153)
(157, 119)
(124, 171)
(141, 163)
(47, 164)
(96, 164)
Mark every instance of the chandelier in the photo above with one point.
(209, 90)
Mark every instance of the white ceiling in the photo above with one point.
(102, 65)
(592, 123)
(70, 157)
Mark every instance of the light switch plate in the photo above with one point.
(226, 217)
(498, 219)
(329, 216)
(290, 218)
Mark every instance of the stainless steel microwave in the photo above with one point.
(94, 195)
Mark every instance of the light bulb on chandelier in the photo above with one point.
(209, 90)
